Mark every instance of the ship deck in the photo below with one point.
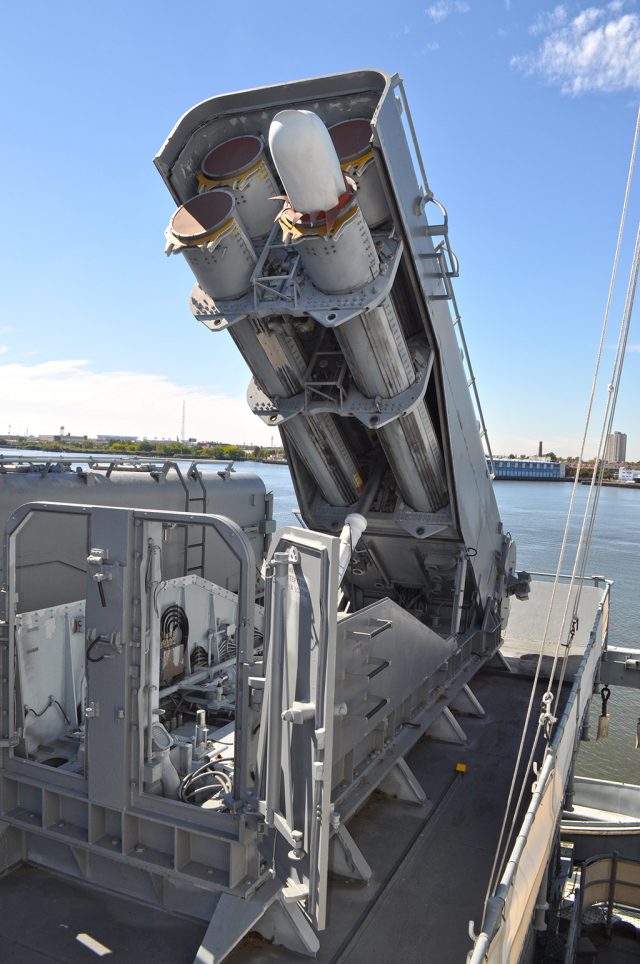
(430, 862)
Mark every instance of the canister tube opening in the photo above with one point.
(202, 214)
(351, 138)
(232, 157)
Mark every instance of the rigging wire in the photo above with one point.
(501, 851)
(590, 511)
(548, 718)
(598, 471)
(596, 373)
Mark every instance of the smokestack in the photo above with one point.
(539, 450)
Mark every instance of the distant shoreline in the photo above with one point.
(614, 484)
(526, 478)
(183, 454)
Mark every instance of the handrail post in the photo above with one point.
(612, 890)
(275, 676)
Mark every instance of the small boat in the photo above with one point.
(603, 817)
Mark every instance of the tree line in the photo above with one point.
(231, 453)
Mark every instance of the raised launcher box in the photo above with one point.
(349, 324)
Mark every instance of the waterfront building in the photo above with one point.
(626, 474)
(616, 450)
(541, 469)
(62, 438)
(117, 438)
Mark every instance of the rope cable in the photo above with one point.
(595, 487)
(598, 471)
(576, 481)
(501, 851)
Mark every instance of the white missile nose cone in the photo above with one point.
(306, 160)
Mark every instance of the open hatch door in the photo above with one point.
(296, 732)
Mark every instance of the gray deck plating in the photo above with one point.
(43, 914)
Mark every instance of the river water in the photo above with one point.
(534, 513)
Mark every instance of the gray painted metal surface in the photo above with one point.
(404, 909)
(327, 365)
(106, 787)
(92, 813)
(603, 817)
(121, 834)
(54, 548)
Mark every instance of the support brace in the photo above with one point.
(12, 846)
(286, 924)
(466, 704)
(401, 784)
(345, 857)
(232, 920)
(267, 913)
(498, 661)
(446, 729)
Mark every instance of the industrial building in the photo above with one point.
(540, 469)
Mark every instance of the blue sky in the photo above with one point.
(525, 114)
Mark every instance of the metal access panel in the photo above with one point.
(298, 711)
(50, 645)
(387, 665)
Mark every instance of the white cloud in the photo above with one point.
(597, 50)
(634, 347)
(548, 20)
(442, 9)
(4, 349)
(72, 393)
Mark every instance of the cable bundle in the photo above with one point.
(212, 781)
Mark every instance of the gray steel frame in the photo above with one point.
(103, 828)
